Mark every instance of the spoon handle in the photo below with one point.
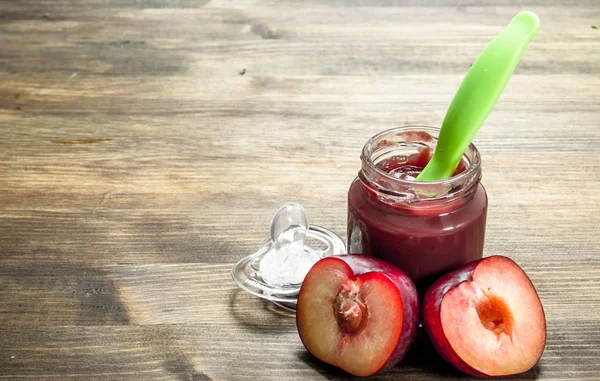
(478, 93)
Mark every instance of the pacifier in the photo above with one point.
(276, 271)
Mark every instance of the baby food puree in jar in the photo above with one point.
(424, 228)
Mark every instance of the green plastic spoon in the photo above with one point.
(478, 93)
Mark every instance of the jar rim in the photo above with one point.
(471, 172)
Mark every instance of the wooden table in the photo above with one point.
(146, 144)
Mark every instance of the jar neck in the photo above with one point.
(406, 146)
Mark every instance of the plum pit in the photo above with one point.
(350, 310)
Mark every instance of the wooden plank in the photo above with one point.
(266, 40)
(205, 294)
(205, 352)
(180, 217)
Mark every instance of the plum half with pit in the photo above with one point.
(486, 318)
(357, 313)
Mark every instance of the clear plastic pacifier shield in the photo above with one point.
(276, 271)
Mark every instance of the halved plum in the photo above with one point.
(486, 318)
(357, 313)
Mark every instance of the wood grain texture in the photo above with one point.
(137, 165)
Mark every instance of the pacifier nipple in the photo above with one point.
(289, 225)
(290, 261)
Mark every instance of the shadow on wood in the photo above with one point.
(421, 360)
(259, 315)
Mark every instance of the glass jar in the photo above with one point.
(424, 228)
